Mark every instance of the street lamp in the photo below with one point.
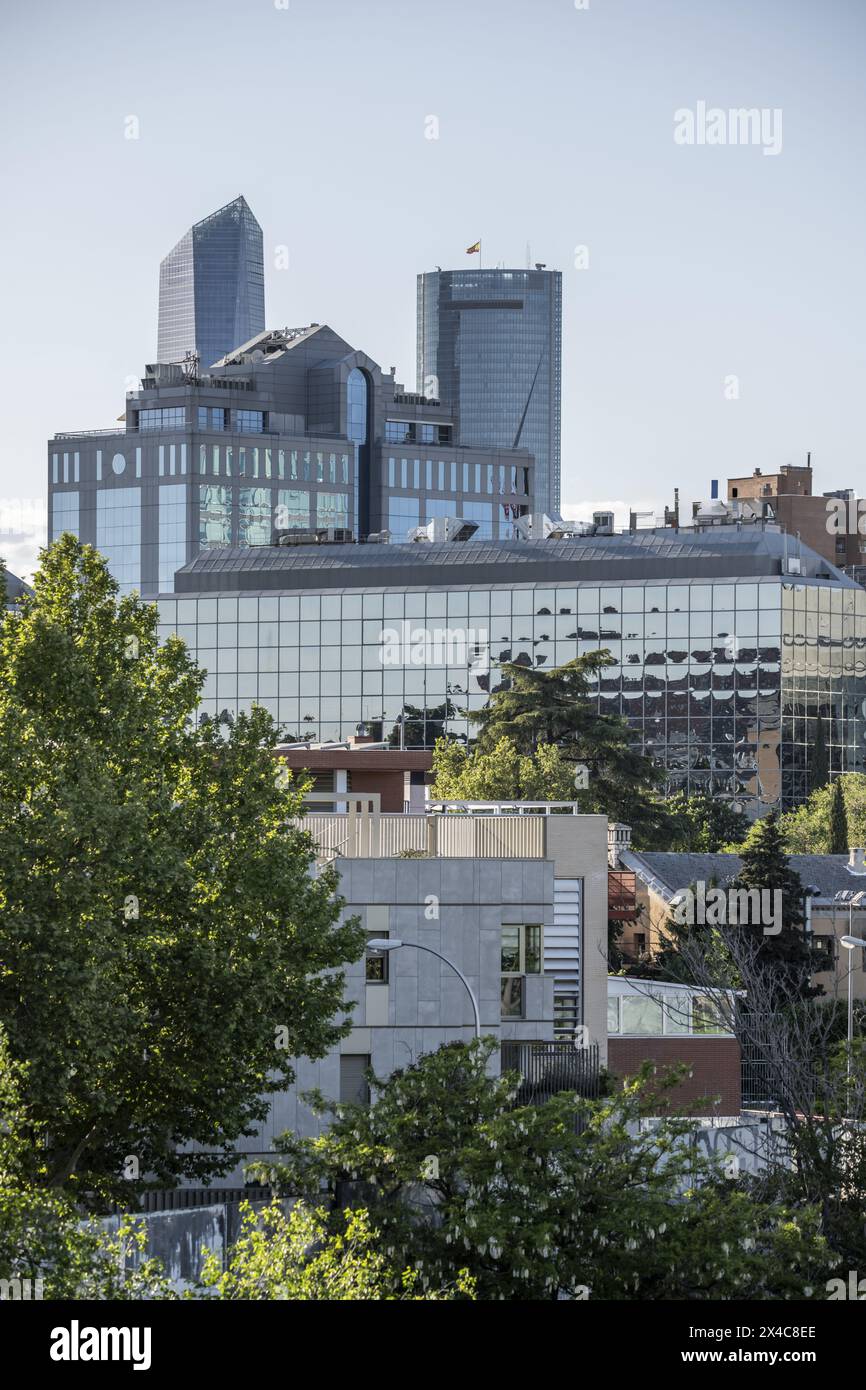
(389, 943)
(849, 942)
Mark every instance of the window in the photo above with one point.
(642, 1014)
(215, 516)
(354, 1086)
(705, 1015)
(332, 509)
(293, 509)
(356, 406)
(167, 418)
(249, 421)
(118, 534)
(211, 418)
(64, 513)
(376, 963)
(254, 518)
(520, 955)
(172, 532)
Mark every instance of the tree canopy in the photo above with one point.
(571, 1198)
(559, 707)
(808, 828)
(165, 949)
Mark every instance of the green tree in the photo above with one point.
(294, 1255)
(704, 824)
(819, 759)
(559, 707)
(501, 773)
(164, 947)
(535, 1205)
(838, 820)
(784, 952)
(807, 829)
(42, 1235)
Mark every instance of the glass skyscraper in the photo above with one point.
(212, 287)
(490, 344)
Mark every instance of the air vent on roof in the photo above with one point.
(328, 535)
(445, 528)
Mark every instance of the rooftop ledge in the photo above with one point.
(357, 829)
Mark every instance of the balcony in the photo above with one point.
(550, 1067)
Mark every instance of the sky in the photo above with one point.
(713, 288)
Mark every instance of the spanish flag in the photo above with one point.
(474, 249)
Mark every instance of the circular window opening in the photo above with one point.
(118, 463)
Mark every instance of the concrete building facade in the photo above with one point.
(516, 902)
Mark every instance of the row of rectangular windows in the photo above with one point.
(476, 477)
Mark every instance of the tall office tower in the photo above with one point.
(212, 287)
(490, 346)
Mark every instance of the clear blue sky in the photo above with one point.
(555, 128)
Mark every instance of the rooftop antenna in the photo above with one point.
(528, 257)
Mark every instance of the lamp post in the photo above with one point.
(388, 943)
(849, 942)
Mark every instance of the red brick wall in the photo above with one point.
(714, 1063)
(389, 784)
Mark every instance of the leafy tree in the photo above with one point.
(559, 707)
(42, 1235)
(807, 829)
(784, 953)
(500, 774)
(819, 760)
(838, 820)
(704, 824)
(566, 1199)
(164, 947)
(293, 1255)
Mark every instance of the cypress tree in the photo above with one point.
(838, 819)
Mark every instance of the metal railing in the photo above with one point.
(550, 1067)
(395, 835)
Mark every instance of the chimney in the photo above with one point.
(619, 839)
(856, 863)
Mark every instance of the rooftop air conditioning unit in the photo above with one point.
(603, 523)
(445, 528)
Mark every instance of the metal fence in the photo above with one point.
(550, 1067)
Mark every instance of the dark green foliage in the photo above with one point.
(534, 1205)
(560, 707)
(158, 920)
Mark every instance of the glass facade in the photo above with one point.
(211, 287)
(118, 534)
(723, 682)
(255, 518)
(215, 516)
(490, 342)
(64, 513)
(172, 532)
(164, 418)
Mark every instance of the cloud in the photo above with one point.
(582, 511)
